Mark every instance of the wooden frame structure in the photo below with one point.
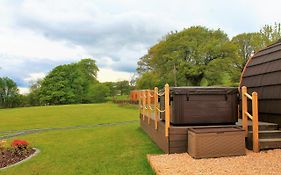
(134, 95)
(152, 111)
(173, 139)
(254, 117)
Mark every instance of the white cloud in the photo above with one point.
(24, 90)
(30, 45)
(105, 75)
(35, 35)
(33, 77)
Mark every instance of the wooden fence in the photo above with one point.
(254, 117)
(151, 109)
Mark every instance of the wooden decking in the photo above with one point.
(176, 142)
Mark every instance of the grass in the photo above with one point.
(62, 116)
(122, 97)
(118, 149)
(118, 97)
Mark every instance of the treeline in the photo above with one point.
(9, 93)
(74, 83)
(198, 56)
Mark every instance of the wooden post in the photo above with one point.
(156, 112)
(143, 104)
(139, 98)
(167, 110)
(244, 110)
(148, 106)
(255, 121)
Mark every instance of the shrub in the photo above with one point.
(2, 144)
(20, 144)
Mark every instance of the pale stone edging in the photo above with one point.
(37, 151)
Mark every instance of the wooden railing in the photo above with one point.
(254, 117)
(152, 110)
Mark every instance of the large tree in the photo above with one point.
(246, 45)
(123, 87)
(9, 93)
(33, 98)
(249, 43)
(200, 56)
(181, 58)
(69, 83)
(97, 93)
(271, 33)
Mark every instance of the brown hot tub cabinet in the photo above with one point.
(202, 105)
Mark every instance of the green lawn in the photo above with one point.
(119, 149)
(119, 97)
(62, 116)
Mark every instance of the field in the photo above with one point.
(80, 139)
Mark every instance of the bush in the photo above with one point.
(20, 144)
(97, 93)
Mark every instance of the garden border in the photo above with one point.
(37, 151)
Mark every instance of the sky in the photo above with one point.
(36, 36)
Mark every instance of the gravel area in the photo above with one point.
(265, 163)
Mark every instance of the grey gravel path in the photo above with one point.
(14, 133)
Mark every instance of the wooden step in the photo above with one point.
(263, 126)
(269, 135)
(270, 143)
(266, 134)
(271, 126)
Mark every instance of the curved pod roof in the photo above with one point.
(262, 74)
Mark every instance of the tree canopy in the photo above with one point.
(9, 93)
(200, 56)
(195, 56)
(69, 83)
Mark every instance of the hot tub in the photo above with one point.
(202, 105)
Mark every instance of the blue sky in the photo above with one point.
(36, 36)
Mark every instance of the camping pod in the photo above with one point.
(262, 74)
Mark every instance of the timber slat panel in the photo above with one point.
(178, 137)
(263, 68)
(266, 58)
(178, 150)
(158, 136)
(179, 130)
(178, 144)
(275, 48)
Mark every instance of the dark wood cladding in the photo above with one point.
(158, 136)
(175, 143)
(263, 75)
